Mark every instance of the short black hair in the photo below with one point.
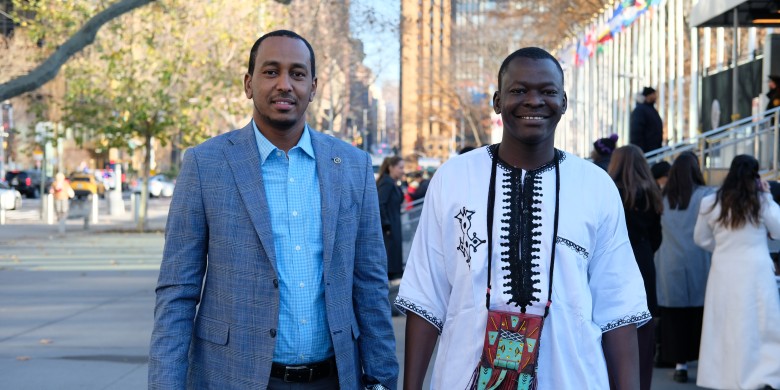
(534, 53)
(660, 169)
(280, 33)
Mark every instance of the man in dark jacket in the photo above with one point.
(647, 129)
(773, 96)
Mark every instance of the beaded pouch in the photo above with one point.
(509, 353)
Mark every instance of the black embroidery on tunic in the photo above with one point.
(520, 225)
(629, 319)
(580, 250)
(404, 305)
(467, 241)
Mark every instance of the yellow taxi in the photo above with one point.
(85, 184)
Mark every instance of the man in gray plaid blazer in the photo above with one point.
(274, 270)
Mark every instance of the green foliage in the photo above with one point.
(171, 71)
(49, 23)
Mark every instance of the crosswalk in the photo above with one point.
(23, 215)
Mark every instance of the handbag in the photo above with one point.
(511, 346)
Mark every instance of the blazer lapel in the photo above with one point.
(329, 167)
(244, 160)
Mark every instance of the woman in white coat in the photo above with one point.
(740, 345)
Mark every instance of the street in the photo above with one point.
(76, 311)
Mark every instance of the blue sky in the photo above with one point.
(381, 41)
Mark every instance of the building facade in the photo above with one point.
(653, 44)
(426, 103)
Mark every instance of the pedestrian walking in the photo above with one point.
(391, 197)
(544, 227)
(641, 199)
(660, 171)
(602, 150)
(273, 274)
(62, 192)
(421, 184)
(681, 266)
(740, 341)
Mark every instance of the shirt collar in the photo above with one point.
(265, 147)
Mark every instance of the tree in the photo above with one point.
(482, 41)
(166, 73)
(49, 68)
(39, 20)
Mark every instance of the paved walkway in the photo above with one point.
(76, 311)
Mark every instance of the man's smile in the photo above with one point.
(283, 103)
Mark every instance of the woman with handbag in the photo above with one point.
(740, 344)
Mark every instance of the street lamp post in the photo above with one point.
(6, 107)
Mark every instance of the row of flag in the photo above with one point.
(592, 40)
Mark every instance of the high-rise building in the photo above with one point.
(426, 101)
(450, 54)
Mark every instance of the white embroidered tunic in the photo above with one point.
(597, 285)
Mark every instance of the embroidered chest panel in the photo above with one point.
(520, 197)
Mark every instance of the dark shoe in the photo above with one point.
(681, 376)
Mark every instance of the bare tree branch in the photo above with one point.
(47, 70)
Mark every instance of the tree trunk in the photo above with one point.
(474, 130)
(143, 220)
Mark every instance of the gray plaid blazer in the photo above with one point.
(217, 303)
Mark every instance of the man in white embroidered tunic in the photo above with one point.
(588, 341)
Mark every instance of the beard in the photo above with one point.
(281, 123)
(277, 123)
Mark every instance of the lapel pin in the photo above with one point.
(337, 160)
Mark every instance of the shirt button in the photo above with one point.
(272, 332)
(297, 247)
(295, 213)
(276, 283)
(303, 322)
(279, 153)
(292, 180)
(301, 285)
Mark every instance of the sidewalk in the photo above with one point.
(27, 223)
(77, 313)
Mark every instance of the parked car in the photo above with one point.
(106, 177)
(10, 199)
(159, 185)
(84, 184)
(28, 183)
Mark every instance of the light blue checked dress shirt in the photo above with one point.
(293, 192)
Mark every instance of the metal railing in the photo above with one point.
(410, 216)
(756, 135)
